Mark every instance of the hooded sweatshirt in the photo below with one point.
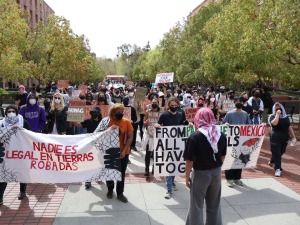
(35, 116)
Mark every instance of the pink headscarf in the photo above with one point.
(205, 122)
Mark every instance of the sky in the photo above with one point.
(109, 24)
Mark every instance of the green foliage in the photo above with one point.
(2, 91)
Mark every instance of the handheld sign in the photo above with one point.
(62, 84)
(127, 112)
(76, 111)
(162, 78)
(190, 113)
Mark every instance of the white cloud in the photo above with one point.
(109, 24)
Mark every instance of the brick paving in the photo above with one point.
(43, 202)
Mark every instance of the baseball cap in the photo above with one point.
(95, 109)
(222, 87)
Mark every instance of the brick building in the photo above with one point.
(38, 10)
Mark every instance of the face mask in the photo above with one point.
(256, 94)
(154, 106)
(222, 91)
(32, 101)
(173, 109)
(200, 104)
(70, 92)
(239, 105)
(176, 95)
(101, 99)
(57, 101)
(11, 115)
(94, 115)
(82, 97)
(131, 94)
(196, 98)
(212, 99)
(119, 116)
(231, 96)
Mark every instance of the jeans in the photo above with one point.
(169, 182)
(120, 184)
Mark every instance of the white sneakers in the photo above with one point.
(168, 195)
(277, 173)
(230, 183)
(239, 182)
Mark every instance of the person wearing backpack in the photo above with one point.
(34, 114)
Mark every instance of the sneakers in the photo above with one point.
(122, 198)
(109, 194)
(239, 182)
(277, 173)
(271, 164)
(174, 188)
(21, 195)
(88, 185)
(230, 183)
(147, 174)
(168, 195)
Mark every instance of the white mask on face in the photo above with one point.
(11, 115)
(32, 101)
(212, 99)
(57, 101)
(131, 94)
(175, 94)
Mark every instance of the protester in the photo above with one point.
(34, 114)
(279, 136)
(13, 120)
(21, 96)
(170, 117)
(212, 105)
(116, 119)
(257, 106)
(57, 117)
(235, 117)
(204, 152)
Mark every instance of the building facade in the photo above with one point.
(38, 10)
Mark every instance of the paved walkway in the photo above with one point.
(264, 200)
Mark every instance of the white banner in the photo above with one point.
(46, 158)
(162, 78)
(243, 148)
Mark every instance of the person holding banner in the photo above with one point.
(57, 117)
(148, 142)
(279, 136)
(170, 117)
(236, 116)
(204, 155)
(114, 120)
(13, 120)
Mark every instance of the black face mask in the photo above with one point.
(222, 91)
(101, 99)
(231, 96)
(154, 106)
(119, 116)
(82, 97)
(257, 95)
(173, 109)
(94, 115)
(200, 104)
(239, 105)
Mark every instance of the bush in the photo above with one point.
(2, 91)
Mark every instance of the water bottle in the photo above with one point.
(293, 142)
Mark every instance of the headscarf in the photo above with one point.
(276, 106)
(205, 122)
(17, 120)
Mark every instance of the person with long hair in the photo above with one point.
(114, 120)
(212, 104)
(279, 136)
(204, 155)
(57, 117)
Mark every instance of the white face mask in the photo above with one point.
(175, 94)
(131, 94)
(57, 101)
(212, 99)
(32, 101)
(11, 115)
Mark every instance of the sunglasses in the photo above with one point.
(56, 97)
(11, 111)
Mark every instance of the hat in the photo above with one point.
(160, 94)
(95, 109)
(231, 92)
(222, 87)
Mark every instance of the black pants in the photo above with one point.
(135, 128)
(233, 174)
(120, 184)
(3, 186)
(141, 124)
(148, 156)
(278, 149)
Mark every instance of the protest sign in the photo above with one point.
(75, 93)
(47, 158)
(62, 84)
(152, 120)
(127, 113)
(228, 105)
(104, 110)
(162, 78)
(243, 145)
(76, 111)
(139, 98)
(190, 113)
(169, 144)
(83, 88)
